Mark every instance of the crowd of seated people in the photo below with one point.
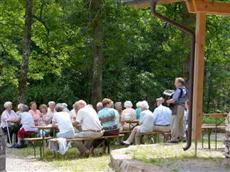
(83, 120)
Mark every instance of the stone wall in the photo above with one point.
(121, 162)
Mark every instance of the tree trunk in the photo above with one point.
(26, 52)
(96, 93)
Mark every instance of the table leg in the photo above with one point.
(40, 148)
(216, 138)
(203, 131)
(209, 135)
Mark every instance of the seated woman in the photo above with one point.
(109, 118)
(146, 125)
(128, 114)
(138, 110)
(28, 127)
(9, 121)
(35, 112)
(45, 119)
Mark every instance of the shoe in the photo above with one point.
(9, 145)
(19, 146)
(125, 143)
(12, 146)
(174, 141)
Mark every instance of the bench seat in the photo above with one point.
(165, 134)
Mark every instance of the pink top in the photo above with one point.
(8, 116)
(128, 114)
(36, 116)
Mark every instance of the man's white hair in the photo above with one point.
(82, 102)
(7, 104)
(138, 104)
(51, 102)
(144, 105)
(128, 104)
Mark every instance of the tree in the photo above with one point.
(26, 51)
(97, 29)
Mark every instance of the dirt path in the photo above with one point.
(23, 164)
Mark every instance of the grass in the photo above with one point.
(70, 161)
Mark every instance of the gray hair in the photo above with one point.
(51, 102)
(128, 104)
(138, 104)
(59, 107)
(144, 105)
(7, 104)
(25, 108)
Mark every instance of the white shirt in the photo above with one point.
(50, 113)
(73, 114)
(27, 121)
(162, 115)
(63, 122)
(146, 122)
(88, 119)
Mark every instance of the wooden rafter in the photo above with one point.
(146, 3)
(217, 8)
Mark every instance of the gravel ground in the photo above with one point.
(24, 164)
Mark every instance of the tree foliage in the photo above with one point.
(141, 54)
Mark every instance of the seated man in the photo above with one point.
(109, 118)
(162, 116)
(89, 125)
(62, 121)
(28, 126)
(146, 125)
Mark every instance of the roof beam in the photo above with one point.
(217, 8)
(146, 3)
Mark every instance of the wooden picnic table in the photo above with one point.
(219, 120)
(43, 128)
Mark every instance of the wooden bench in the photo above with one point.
(83, 139)
(39, 140)
(166, 135)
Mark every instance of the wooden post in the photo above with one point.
(199, 75)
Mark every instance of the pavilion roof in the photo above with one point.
(194, 6)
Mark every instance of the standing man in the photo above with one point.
(178, 101)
